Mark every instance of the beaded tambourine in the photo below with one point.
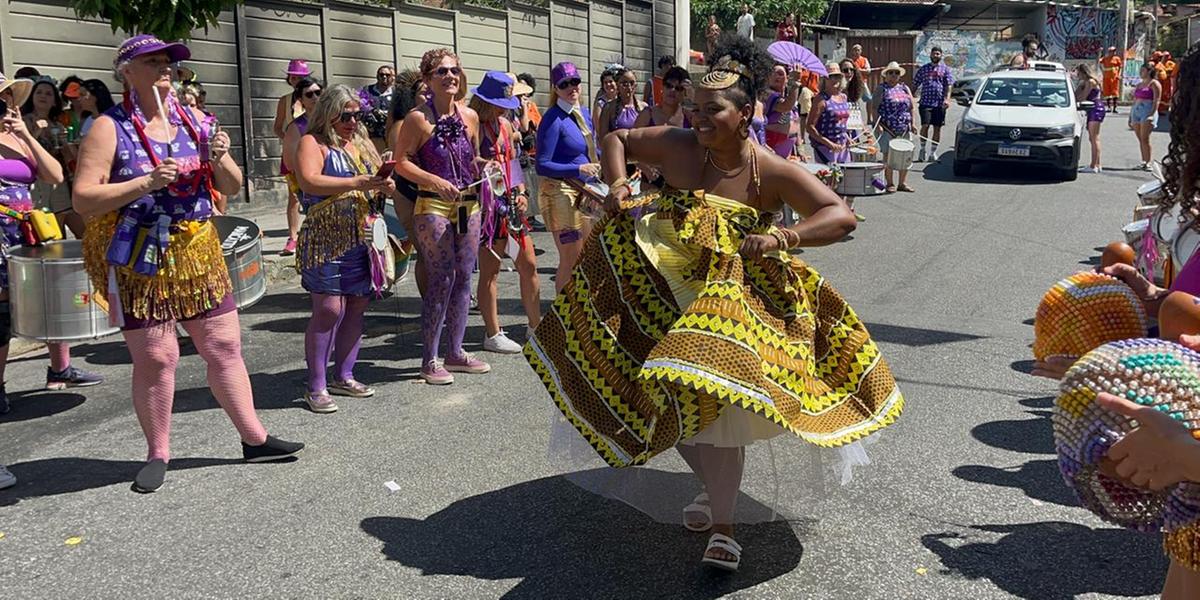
(1084, 311)
(1149, 372)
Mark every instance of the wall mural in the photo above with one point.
(965, 52)
(1079, 33)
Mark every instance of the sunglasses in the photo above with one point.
(312, 93)
(346, 117)
(444, 71)
(569, 83)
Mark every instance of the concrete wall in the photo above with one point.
(241, 62)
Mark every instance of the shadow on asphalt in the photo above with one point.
(54, 476)
(1031, 436)
(1054, 560)
(1022, 366)
(1000, 174)
(564, 542)
(1038, 479)
(27, 406)
(1043, 402)
(916, 336)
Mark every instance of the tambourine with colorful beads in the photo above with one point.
(1084, 311)
(1150, 372)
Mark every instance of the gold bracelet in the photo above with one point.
(780, 238)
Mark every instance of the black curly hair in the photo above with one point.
(759, 63)
(1181, 165)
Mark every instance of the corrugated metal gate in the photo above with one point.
(884, 49)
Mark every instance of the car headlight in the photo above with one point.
(1060, 131)
(969, 126)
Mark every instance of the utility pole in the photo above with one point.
(1123, 29)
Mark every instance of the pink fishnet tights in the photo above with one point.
(155, 353)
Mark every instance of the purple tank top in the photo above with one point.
(832, 122)
(337, 164)
(448, 153)
(626, 118)
(188, 199)
(301, 124)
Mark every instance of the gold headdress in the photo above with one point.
(724, 74)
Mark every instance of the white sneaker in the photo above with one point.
(500, 344)
(921, 157)
(7, 479)
(1089, 170)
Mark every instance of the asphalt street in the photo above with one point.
(962, 499)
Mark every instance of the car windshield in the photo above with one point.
(1025, 92)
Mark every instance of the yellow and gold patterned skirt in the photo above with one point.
(664, 329)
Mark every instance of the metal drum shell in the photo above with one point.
(241, 245)
(858, 178)
(51, 296)
(1150, 193)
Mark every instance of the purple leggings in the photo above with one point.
(449, 258)
(334, 333)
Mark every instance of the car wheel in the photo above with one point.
(962, 168)
(1070, 174)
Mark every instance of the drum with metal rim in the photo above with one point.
(1150, 193)
(1183, 246)
(51, 295)
(1164, 225)
(241, 243)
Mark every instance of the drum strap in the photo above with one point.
(202, 176)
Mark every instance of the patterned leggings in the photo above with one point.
(449, 258)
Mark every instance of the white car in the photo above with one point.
(1022, 116)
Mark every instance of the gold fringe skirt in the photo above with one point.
(332, 227)
(192, 277)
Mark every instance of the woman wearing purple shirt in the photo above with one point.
(893, 108)
(566, 151)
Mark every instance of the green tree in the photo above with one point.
(167, 19)
(766, 12)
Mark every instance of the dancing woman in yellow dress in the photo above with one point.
(686, 323)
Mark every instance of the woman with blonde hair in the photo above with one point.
(335, 163)
(1089, 89)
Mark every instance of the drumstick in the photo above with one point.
(162, 112)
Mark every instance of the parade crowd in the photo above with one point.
(681, 320)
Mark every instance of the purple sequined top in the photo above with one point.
(186, 200)
(832, 122)
(624, 119)
(449, 153)
(338, 163)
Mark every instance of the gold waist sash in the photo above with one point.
(192, 276)
(332, 227)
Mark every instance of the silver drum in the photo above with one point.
(241, 243)
(860, 179)
(51, 295)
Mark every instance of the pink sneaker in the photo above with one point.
(435, 374)
(467, 363)
(289, 248)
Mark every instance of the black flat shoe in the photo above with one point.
(271, 450)
(150, 478)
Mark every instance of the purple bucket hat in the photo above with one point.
(497, 89)
(140, 45)
(563, 71)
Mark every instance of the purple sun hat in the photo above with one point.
(497, 89)
(563, 71)
(140, 45)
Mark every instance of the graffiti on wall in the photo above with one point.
(966, 52)
(1079, 33)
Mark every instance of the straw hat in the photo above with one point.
(519, 88)
(894, 66)
(21, 88)
(833, 69)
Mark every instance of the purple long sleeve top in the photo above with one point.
(561, 147)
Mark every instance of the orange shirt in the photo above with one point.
(862, 64)
(657, 90)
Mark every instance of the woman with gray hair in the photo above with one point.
(147, 172)
(335, 166)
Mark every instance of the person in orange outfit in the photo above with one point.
(1111, 66)
(1169, 71)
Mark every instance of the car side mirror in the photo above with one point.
(964, 101)
(1085, 105)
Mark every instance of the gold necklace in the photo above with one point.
(753, 164)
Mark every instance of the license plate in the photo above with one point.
(1019, 151)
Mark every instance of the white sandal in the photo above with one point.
(720, 541)
(699, 505)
